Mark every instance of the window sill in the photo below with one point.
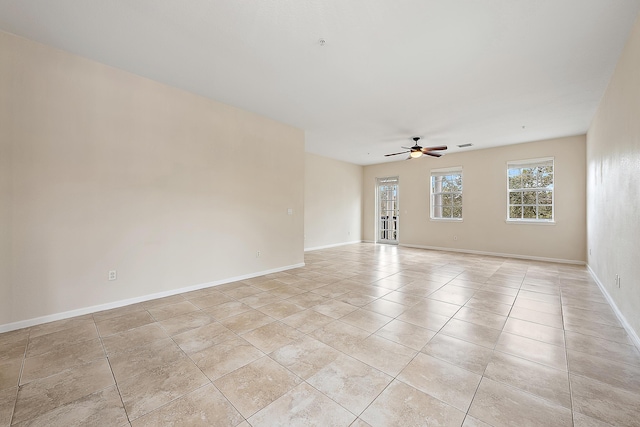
(518, 221)
(446, 219)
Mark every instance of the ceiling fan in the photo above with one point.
(417, 151)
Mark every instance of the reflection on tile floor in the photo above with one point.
(363, 335)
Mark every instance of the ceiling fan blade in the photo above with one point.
(395, 154)
(441, 147)
(429, 153)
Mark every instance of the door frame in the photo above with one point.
(378, 218)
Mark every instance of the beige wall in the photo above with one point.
(613, 185)
(113, 171)
(484, 227)
(5, 195)
(332, 202)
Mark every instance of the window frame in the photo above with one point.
(537, 162)
(454, 170)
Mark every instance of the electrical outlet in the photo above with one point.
(113, 274)
(257, 254)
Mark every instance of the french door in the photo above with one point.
(388, 212)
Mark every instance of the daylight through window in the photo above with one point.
(446, 193)
(530, 190)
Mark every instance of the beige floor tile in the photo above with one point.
(333, 290)
(350, 382)
(537, 296)
(384, 355)
(490, 306)
(13, 349)
(386, 307)
(485, 295)
(260, 299)
(535, 351)
(535, 331)
(466, 355)
(616, 374)
(453, 294)
(359, 423)
(123, 323)
(7, 402)
(469, 421)
(10, 372)
(407, 334)
(505, 290)
(444, 381)
(220, 359)
(500, 405)
(138, 337)
(205, 336)
(356, 298)
(401, 405)
(60, 325)
(335, 309)
(477, 334)
(41, 396)
(117, 312)
(211, 299)
(603, 348)
(138, 360)
(437, 307)
(199, 293)
(543, 381)
(581, 420)
(159, 302)
(247, 321)
(302, 406)
(553, 320)
(103, 408)
(418, 316)
(172, 310)
(272, 336)
(242, 291)
(307, 321)
(307, 299)
(203, 407)
(479, 317)
(281, 309)
(339, 335)
(62, 358)
(256, 385)
(543, 307)
(598, 330)
(576, 316)
(305, 356)
(367, 320)
(227, 309)
(186, 322)
(605, 403)
(286, 291)
(402, 298)
(149, 390)
(55, 340)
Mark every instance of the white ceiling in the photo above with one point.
(487, 72)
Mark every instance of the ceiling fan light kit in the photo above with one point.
(417, 151)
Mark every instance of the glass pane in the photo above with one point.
(515, 198)
(457, 212)
(545, 212)
(446, 212)
(447, 199)
(529, 197)
(515, 179)
(529, 178)
(529, 212)
(457, 200)
(545, 197)
(545, 179)
(515, 212)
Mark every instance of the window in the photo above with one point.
(446, 193)
(530, 190)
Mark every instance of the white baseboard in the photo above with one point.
(497, 254)
(335, 245)
(623, 320)
(116, 304)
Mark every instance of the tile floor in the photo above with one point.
(364, 335)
